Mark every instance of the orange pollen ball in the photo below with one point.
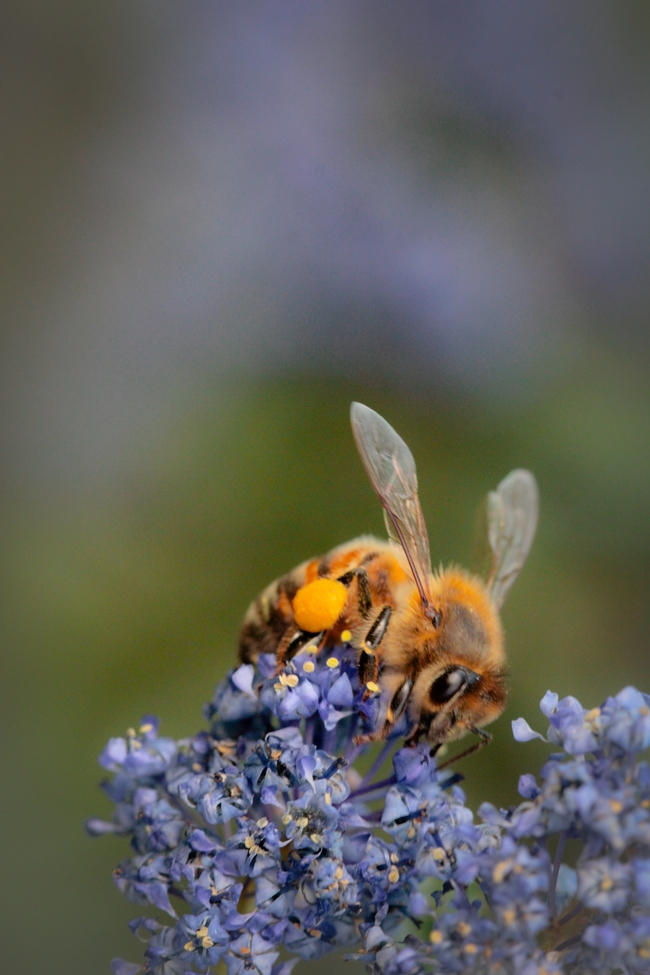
(318, 605)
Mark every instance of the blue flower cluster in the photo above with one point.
(261, 837)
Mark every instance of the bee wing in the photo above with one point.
(511, 523)
(391, 470)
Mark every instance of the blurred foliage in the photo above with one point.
(128, 599)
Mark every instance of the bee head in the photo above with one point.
(452, 699)
(461, 686)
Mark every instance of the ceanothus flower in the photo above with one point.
(261, 836)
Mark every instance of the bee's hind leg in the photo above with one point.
(293, 641)
(364, 596)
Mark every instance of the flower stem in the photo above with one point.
(310, 726)
(352, 750)
(374, 787)
(378, 762)
(557, 863)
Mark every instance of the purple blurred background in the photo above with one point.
(449, 195)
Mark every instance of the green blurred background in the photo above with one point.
(222, 224)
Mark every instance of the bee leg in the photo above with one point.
(293, 641)
(394, 712)
(368, 662)
(414, 737)
(397, 706)
(484, 738)
(370, 737)
(364, 597)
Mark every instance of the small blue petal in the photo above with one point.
(243, 679)
(528, 788)
(114, 754)
(548, 704)
(305, 766)
(201, 842)
(99, 827)
(160, 898)
(285, 968)
(299, 703)
(522, 731)
(374, 938)
(605, 936)
(121, 967)
(269, 796)
(340, 693)
(631, 699)
(418, 904)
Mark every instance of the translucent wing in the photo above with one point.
(511, 523)
(391, 470)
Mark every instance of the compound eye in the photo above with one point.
(448, 684)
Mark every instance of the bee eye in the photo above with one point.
(448, 684)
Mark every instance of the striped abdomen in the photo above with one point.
(271, 615)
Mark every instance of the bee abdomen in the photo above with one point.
(267, 620)
(253, 640)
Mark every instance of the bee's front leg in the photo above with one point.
(484, 738)
(394, 712)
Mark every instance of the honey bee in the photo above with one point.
(430, 644)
